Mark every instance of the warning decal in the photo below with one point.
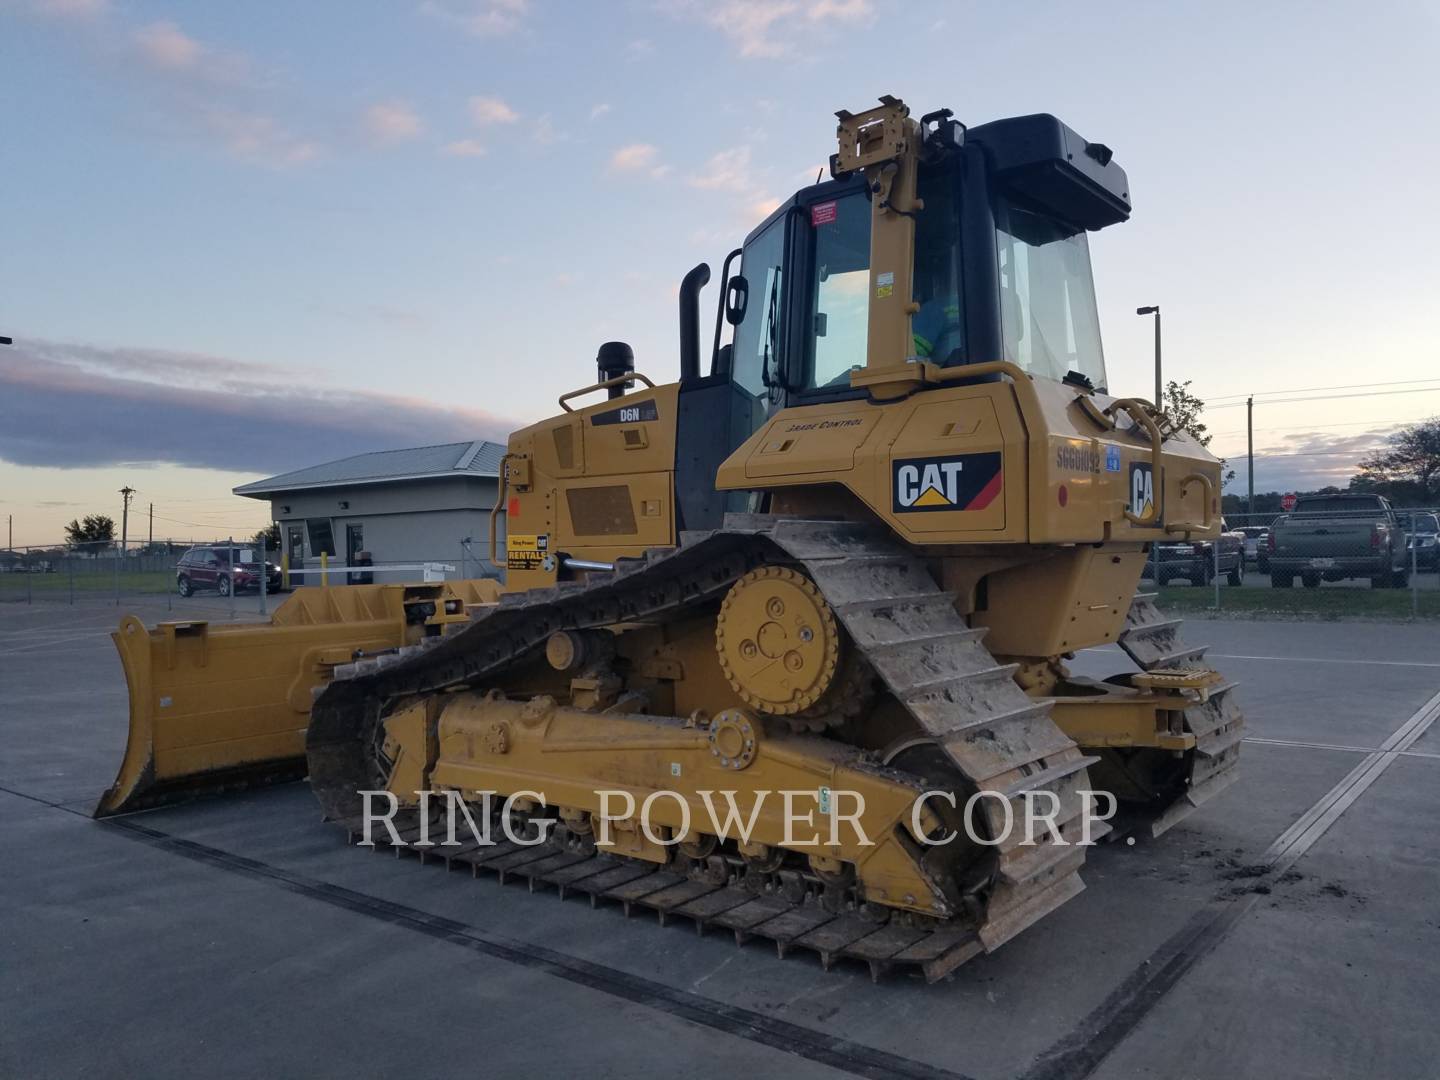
(822, 213)
(956, 482)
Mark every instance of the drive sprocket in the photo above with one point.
(778, 641)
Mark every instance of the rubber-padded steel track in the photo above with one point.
(1154, 643)
(904, 625)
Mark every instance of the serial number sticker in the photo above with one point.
(526, 551)
(884, 285)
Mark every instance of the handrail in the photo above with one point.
(973, 371)
(1093, 414)
(1208, 516)
(500, 494)
(1137, 412)
(618, 380)
(1023, 381)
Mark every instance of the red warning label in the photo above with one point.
(822, 213)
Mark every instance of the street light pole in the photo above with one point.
(1159, 386)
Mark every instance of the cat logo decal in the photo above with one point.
(955, 482)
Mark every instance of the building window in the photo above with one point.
(321, 540)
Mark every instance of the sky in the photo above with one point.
(237, 239)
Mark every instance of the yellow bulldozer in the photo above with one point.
(829, 580)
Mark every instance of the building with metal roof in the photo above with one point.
(417, 505)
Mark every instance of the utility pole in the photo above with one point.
(126, 491)
(150, 541)
(1250, 451)
(1159, 386)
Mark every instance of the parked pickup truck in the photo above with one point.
(1332, 537)
(1196, 561)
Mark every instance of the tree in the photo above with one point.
(268, 538)
(1407, 471)
(95, 532)
(1183, 410)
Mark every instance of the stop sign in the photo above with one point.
(1287, 501)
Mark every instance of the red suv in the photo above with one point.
(210, 568)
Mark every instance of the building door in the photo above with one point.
(295, 548)
(354, 544)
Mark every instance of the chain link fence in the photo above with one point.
(209, 575)
(1326, 558)
(1329, 556)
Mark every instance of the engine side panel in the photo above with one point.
(991, 462)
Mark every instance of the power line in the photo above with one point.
(1326, 427)
(1326, 397)
(196, 524)
(1317, 389)
(1317, 453)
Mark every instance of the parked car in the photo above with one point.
(1256, 539)
(209, 567)
(1333, 537)
(1424, 541)
(1195, 560)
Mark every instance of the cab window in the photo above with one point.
(939, 325)
(839, 286)
(838, 318)
(756, 361)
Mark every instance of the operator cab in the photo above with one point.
(1002, 271)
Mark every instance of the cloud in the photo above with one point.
(482, 18)
(751, 25)
(770, 29)
(1304, 461)
(636, 157)
(729, 170)
(164, 48)
(392, 121)
(546, 133)
(763, 207)
(71, 9)
(258, 138)
(597, 111)
(847, 11)
(164, 45)
(199, 91)
(463, 148)
(485, 111)
(124, 405)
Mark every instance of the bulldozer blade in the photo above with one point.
(222, 707)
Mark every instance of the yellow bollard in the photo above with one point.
(324, 562)
(285, 570)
